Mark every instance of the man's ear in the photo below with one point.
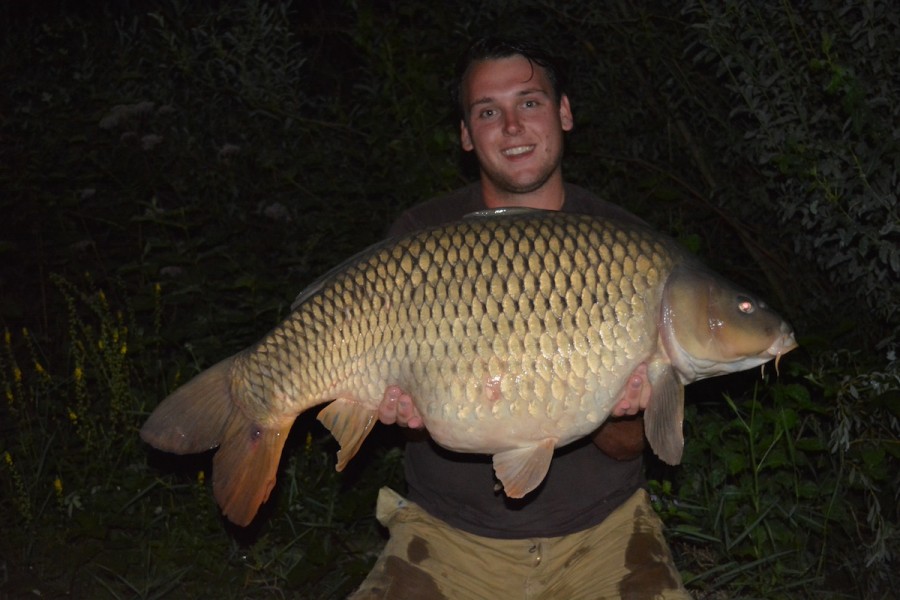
(465, 139)
(565, 114)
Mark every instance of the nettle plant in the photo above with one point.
(814, 111)
(814, 128)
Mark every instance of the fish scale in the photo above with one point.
(514, 334)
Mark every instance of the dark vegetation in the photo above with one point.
(172, 173)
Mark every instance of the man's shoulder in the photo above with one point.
(467, 199)
(440, 209)
(581, 201)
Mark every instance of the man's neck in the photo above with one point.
(549, 196)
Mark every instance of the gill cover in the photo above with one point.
(711, 327)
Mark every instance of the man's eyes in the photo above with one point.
(489, 113)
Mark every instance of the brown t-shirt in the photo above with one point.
(583, 486)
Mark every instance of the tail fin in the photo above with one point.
(193, 417)
(201, 415)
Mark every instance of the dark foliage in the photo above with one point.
(172, 173)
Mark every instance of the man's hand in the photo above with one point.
(622, 436)
(397, 408)
(635, 395)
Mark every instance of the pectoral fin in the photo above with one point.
(664, 417)
(523, 469)
(350, 423)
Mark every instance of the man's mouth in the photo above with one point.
(518, 150)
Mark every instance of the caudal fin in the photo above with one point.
(201, 415)
(193, 417)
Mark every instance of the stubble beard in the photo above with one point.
(506, 185)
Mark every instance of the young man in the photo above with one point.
(588, 531)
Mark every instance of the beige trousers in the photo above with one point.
(625, 556)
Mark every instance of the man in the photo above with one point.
(588, 531)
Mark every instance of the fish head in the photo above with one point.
(709, 326)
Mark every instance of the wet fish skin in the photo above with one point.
(514, 333)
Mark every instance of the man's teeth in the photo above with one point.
(517, 150)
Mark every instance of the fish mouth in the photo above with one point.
(517, 150)
(782, 345)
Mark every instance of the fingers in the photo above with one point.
(387, 410)
(408, 414)
(398, 408)
(635, 395)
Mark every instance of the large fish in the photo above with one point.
(514, 333)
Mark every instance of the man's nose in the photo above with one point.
(511, 124)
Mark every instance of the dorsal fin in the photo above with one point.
(509, 211)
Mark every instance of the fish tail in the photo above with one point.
(201, 415)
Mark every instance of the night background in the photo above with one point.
(173, 173)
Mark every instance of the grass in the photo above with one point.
(144, 524)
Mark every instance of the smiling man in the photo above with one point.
(514, 123)
(588, 531)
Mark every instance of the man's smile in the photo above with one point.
(518, 150)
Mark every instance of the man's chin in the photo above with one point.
(522, 185)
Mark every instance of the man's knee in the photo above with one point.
(394, 578)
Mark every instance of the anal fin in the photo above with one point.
(664, 417)
(522, 469)
(350, 424)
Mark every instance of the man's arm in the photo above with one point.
(621, 438)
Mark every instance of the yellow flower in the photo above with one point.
(201, 477)
(79, 373)
(73, 417)
(7, 457)
(17, 374)
(124, 349)
(39, 368)
(9, 395)
(57, 486)
(157, 289)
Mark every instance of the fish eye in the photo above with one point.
(746, 305)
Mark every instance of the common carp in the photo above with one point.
(514, 333)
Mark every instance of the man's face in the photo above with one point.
(514, 124)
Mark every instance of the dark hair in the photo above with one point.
(493, 48)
